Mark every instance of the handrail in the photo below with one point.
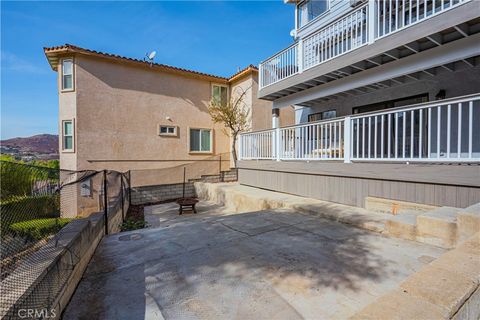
(474, 96)
(357, 27)
(334, 21)
(417, 106)
(445, 130)
(279, 53)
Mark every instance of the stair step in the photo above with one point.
(438, 227)
(396, 207)
(468, 222)
(403, 225)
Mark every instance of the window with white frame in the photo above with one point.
(167, 130)
(67, 135)
(309, 10)
(200, 140)
(219, 94)
(67, 74)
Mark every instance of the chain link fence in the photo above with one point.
(38, 206)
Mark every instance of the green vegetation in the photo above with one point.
(38, 229)
(18, 179)
(25, 208)
(133, 224)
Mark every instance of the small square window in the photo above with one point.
(167, 130)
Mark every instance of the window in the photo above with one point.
(67, 74)
(219, 94)
(200, 140)
(167, 130)
(67, 133)
(309, 10)
(322, 115)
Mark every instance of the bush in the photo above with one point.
(38, 229)
(133, 224)
(28, 208)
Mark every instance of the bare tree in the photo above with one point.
(233, 114)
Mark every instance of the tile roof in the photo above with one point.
(53, 54)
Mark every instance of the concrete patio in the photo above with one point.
(258, 265)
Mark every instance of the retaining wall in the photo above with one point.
(164, 192)
(45, 281)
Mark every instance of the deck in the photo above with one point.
(456, 185)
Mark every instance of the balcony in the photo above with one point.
(443, 131)
(363, 26)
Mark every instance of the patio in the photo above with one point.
(262, 265)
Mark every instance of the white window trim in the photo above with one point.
(174, 134)
(73, 136)
(219, 85)
(61, 75)
(309, 23)
(211, 141)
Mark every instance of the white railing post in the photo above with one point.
(371, 21)
(240, 149)
(300, 55)
(260, 76)
(277, 144)
(347, 142)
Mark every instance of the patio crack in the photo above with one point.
(254, 234)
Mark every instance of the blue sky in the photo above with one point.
(210, 36)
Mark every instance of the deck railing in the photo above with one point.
(445, 131)
(364, 25)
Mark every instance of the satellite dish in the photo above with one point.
(149, 57)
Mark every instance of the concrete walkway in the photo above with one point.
(275, 264)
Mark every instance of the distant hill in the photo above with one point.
(38, 146)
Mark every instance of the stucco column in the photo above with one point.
(275, 118)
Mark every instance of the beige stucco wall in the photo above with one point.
(261, 110)
(117, 108)
(117, 112)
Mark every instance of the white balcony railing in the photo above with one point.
(446, 131)
(362, 26)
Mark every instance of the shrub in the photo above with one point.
(38, 229)
(27, 208)
(133, 224)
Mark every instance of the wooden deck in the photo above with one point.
(456, 185)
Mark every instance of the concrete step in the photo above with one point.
(403, 225)
(438, 227)
(468, 222)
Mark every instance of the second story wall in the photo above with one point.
(120, 108)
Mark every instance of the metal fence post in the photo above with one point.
(123, 196)
(129, 188)
(105, 200)
(220, 168)
(347, 143)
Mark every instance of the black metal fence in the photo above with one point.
(37, 202)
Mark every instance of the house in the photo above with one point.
(122, 114)
(387, 103)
